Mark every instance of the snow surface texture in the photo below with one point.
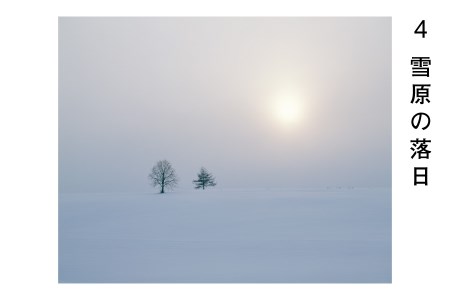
(227, 236)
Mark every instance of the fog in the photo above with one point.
(203, 91)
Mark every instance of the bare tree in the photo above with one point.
(163, 175)
(204, 179)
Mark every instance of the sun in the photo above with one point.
(287, 109)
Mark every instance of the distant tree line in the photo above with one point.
(163, 176)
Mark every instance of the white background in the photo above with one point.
(29, 155)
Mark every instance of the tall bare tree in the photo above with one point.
(163, 175)
(204, 179)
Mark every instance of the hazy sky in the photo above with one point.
(260, 102)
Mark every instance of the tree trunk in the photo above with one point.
(162, 189)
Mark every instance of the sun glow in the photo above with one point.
(287, 109)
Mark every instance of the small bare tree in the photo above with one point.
(204, 179)
(163, 175)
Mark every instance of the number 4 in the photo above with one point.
(421, 27)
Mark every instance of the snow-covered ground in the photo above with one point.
(229, 236)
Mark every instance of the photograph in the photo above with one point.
(225, 150)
